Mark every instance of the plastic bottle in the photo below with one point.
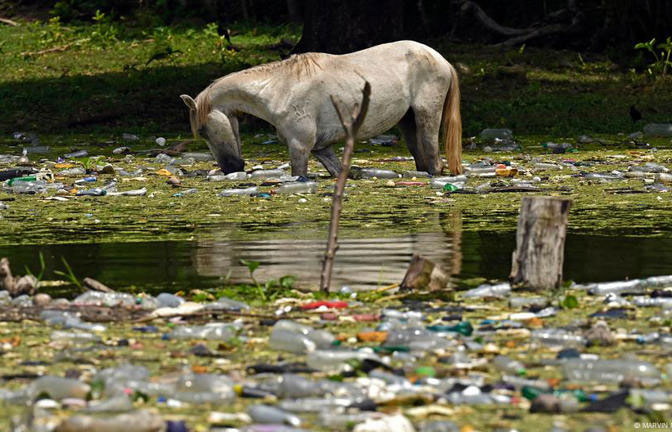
(334, 360)
(298, 338)
(58, 388)
(264, 174)
(440, 182)
(508, 365)
(134, 192)
(169, 300)
(92, 192)
(334, 420)
(59, 335)
(73, 172)
(210, 331)
(439, 426)
(558, 337)
(308, 404)
(137, 421)
(234, 176)
(642, 301)
(269, 414)
(658, 129)
(499, 290)
(464, 328)
(609, 371)
(634, 285)
(378, 173)
(119, 403)
(203, 388)
(411, 174)
(286, 340)
(109, 299)
(491, 134)
(68, 320)
(520, 302)
(241, 192)
(297, 188)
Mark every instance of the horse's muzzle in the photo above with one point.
(231, 164)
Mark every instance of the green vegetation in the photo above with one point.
(113, 77)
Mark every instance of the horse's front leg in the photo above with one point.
(298, 157)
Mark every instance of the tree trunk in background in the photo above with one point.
(343, 26)
(294, 10)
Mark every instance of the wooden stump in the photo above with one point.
(424, 274)
(540, 242)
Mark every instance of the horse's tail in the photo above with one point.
(452, 124)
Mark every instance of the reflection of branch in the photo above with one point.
(519, 36)
(351, 125)
(8, 22)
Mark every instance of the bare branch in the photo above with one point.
(489, 22)
(350, 126)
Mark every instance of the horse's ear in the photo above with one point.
(189, 102)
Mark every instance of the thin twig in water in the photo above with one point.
(351, 126)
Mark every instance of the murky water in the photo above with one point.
(361, 262)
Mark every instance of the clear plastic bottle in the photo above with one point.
(378, 173)
(520, 302)
(440, 182)
(658, 129)
(558, 337)
(507, 365)
(210, 331)
(609, 371)
(70, 336)
(604, 288)
(286, 340)
(297, 188)
(271, 415)
(334, 360)
(264, 174)
(499, 290)
(240, 192)
(136, 421)
(491, 134)
(234, 176)
(59, 388)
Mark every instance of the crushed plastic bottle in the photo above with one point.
(294, 337)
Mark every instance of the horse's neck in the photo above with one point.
(236, 94)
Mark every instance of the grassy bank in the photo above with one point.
(110, 77)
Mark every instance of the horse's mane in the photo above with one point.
(300, 65)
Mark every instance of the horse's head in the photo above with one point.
(219, 134)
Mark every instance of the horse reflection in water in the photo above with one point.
(361, 263)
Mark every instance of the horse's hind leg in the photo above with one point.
(410, 132)
(329, 159)
(428, 124)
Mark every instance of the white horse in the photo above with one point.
(411, 85)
